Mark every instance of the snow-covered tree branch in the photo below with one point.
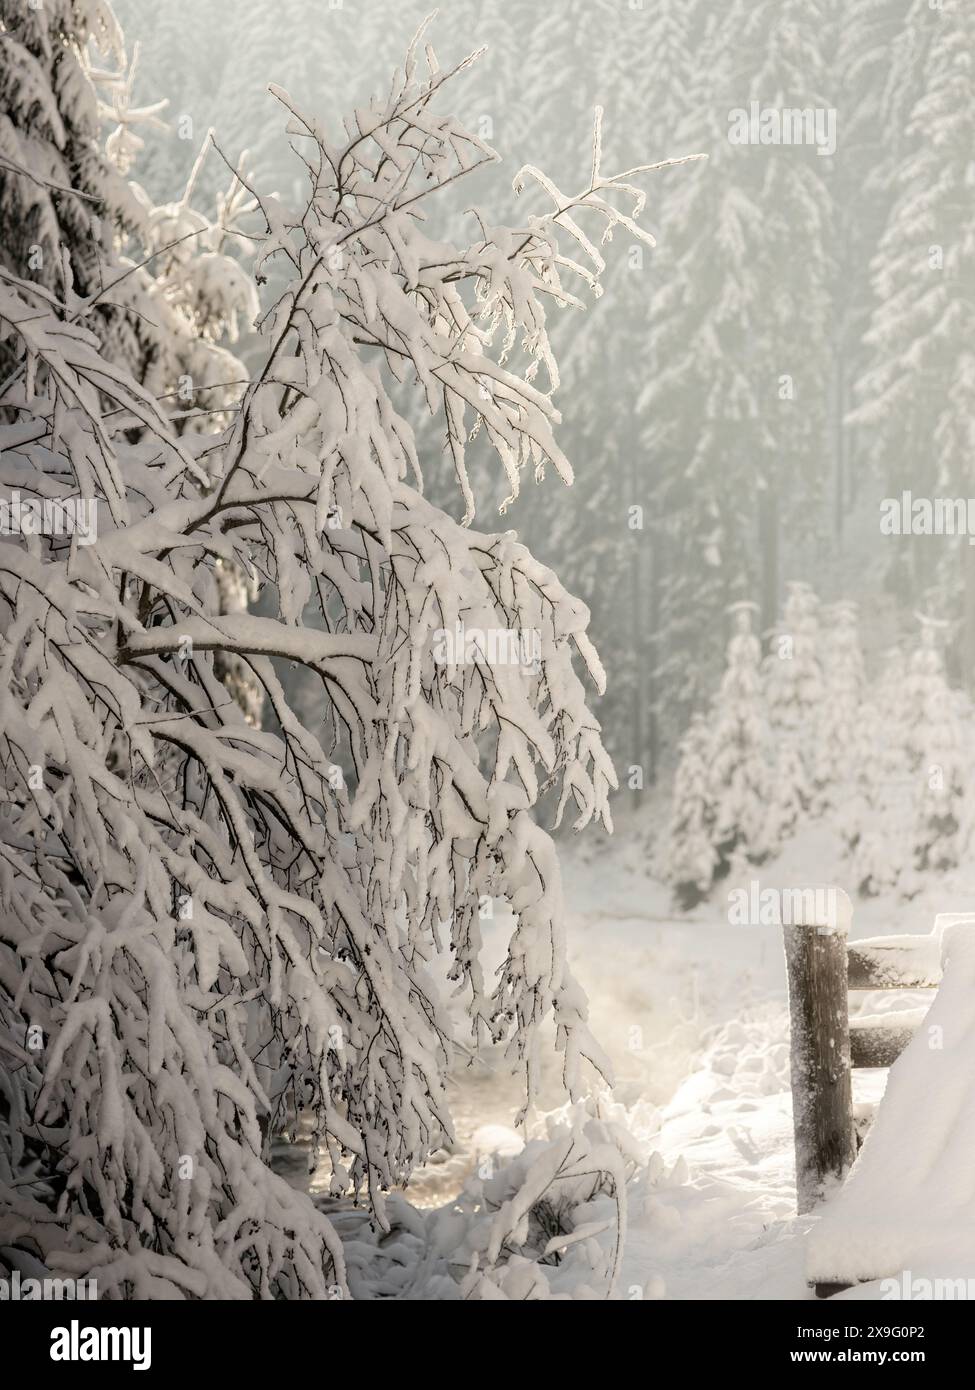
(206, 926)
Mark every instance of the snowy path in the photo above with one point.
(729, 1126)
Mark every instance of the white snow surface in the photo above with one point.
(692, 1012)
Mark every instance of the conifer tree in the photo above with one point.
(935, 750)
(880, 827)
(836, 730)
(689, 858)
(794, 693)
(790, 791)
(740, 771)
(916, 398)
(63, 202)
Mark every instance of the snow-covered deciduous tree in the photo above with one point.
(203, 924)
(189, 307)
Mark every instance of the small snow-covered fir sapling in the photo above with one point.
(794, 681)
(838, 726)
(689, 858)
(789, 794)
(925, 684)
(203, 920)
(741, 739)
(935, 746)
(878, 828)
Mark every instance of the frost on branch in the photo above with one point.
(208, 925)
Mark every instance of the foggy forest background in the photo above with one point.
(797, 348)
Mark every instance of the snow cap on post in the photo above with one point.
(821, 905)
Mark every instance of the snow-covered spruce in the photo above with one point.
(725, 801)
(203, 922)
(935, 747)
(789, 794)
(689, 858)
(793, 673)
(878, 825)
(61, 195)
(161, 287)
(838, 727)
(741, 743)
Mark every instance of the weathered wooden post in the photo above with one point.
(816, 961)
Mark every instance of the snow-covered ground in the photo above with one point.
(692, 1012)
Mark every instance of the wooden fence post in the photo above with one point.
(822, 1104)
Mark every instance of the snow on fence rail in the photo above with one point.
(895, 962)
(822, 968)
